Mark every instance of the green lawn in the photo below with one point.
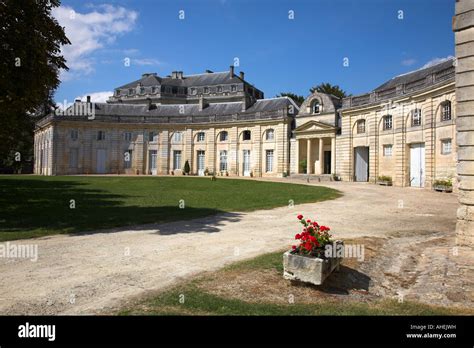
(197, 297)
(32, 206)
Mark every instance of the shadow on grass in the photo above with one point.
(33, 208)
(342, 282)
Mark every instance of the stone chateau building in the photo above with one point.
(221, 124)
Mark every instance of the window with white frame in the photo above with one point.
(270, 134)
(446, 147)
(269, 161)
(387, 122)
(152, 136)
(223, 161)
(127, 159)
(446, 111)
(387, 150)
(176, 159)
(100, 135)
(127, 136)
(360, 126)
(74, 134)
(316, 107)
(201, 136)
(416, 117)
(246, 135)
(224, 136)
(177, 137)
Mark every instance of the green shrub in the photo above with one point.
(385, 178)
(443, 182)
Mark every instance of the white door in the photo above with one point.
(361, 164)
(101, 155)
(153, 162)
(417, 165)
(246, 164)
(201, 162)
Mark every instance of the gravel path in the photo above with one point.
(96, 272)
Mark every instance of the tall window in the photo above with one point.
(387, 122)
(177, 137)
(316, 107)
(176, 160)
(416, 117)
(446, 111)
(446, 146)
(270, 134)
(269, 161)
(127, 159)
(223, 161)
(73, 158)
(387, 150)
(100, 135)
(74, 134)
(224, 136)
(360, 126)
(246, 135)
(201, 136)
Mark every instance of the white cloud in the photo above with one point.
(89, 32)
(146, 61)
(435, 61)
(408, 62)
(97, 97)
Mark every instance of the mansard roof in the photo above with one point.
(205, 79)
(262, 109)
(415, 75)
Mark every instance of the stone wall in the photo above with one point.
(463, 26)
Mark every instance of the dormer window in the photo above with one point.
(219, 89)
(117, 92)
(130, 91)
(206, 90)
(142, 90)
(193, 91)
(168, 89)
(153, 90)
(316, 108)
(233, 88)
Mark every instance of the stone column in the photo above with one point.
(321, 155)
(333, 155)
(463, 26)
(308, 156)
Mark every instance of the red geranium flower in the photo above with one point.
(300, 217)
(298, 236)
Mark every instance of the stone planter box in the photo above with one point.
(443, 188)
(309, 269)
(385, 183)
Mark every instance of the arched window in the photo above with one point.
(270, 134)
(316, 107)
(223, 136)
(416, 117)
(360, 126)
(446, 110)
(247, 135)
(387, 122)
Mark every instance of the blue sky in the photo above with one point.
(276, 53)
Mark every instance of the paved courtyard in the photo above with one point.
(97, 272)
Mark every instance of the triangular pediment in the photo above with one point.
(314, 126)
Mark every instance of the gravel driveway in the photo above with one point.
(99, 271)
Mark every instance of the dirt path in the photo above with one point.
(95, 272)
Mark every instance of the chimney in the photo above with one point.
(241, 75)
(77, 100)
(180, 75)
(202, 103)
(174, 74)
(231, 69)
(88, 99)
(209, 71)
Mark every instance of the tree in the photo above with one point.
(298, 99)
(329, 89)
(187, 168)
(30, 60)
